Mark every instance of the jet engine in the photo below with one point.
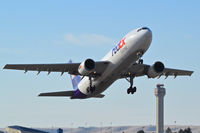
(156, 69)
(86, 67)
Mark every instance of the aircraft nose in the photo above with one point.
(145, 35)
(149, 33)
(146, 32)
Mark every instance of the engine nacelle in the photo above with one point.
(86, 67)
(156, 69)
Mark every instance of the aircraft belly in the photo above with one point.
(103, 85)
(112, 74)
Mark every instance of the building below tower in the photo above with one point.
(20, 129)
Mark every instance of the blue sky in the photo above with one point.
(56, 31)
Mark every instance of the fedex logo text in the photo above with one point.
(118, 46)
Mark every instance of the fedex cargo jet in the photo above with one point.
(90, 78)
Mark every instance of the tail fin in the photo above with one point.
(75, 79)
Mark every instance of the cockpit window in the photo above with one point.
(143, 28)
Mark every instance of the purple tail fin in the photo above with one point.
(75, 79)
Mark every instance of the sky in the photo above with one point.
(50, 31)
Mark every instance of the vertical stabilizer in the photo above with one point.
(75, 79)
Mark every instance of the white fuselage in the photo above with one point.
(121, 58)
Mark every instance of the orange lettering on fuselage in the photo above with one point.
(118, 46)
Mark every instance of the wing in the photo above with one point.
(176, 72)
(142, 69)
(71, 68)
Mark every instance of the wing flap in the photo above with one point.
(58, 94)
(176, 72)
(43, 67)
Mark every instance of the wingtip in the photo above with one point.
(191, 73)
(5, 66)
(40, 95)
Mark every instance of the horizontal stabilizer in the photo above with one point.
(59, 94)
(98, 96)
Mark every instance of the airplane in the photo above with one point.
(91, 78)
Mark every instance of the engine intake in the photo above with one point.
(86, 67)
(89, 64)
(156, 69)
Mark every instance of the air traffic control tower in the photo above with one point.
(160, 93)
